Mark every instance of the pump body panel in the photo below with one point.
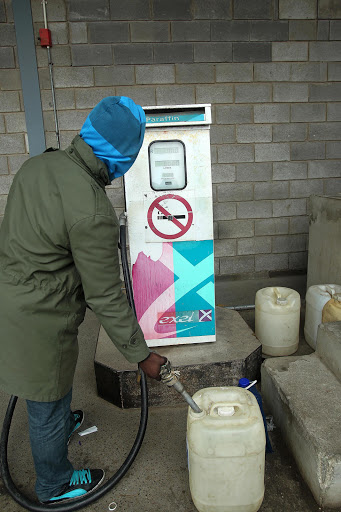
(170, 225)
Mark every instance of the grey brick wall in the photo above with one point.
(270, 68)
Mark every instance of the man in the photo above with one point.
(58, 253)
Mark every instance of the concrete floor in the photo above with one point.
(158, 479)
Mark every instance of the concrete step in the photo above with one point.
(328, 346)
(236, 353)
(304, 396)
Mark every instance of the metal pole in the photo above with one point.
(29, 76)
(53, 97)
(238, 308)
(43, 3)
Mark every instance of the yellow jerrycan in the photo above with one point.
(332, 310)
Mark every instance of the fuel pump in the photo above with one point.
(170, 224)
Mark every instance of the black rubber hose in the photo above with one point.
(125, 265)
(110, 484)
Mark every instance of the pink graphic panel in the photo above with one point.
(153, 283)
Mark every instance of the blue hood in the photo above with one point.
(114, 130)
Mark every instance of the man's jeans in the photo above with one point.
(50, 426)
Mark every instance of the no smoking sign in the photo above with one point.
(170, 216)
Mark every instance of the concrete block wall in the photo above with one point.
(271, 70)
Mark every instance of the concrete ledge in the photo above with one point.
(324, 262)
(305, 400)
(236, 353)
(328, 346)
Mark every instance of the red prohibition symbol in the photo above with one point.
(183, 228)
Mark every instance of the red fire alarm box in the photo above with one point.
(45, 37)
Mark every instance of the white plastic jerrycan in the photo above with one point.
(226, 451)
(277, 320)
(316, 298)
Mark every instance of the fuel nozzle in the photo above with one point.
(170, 377)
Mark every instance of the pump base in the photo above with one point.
(236, 354)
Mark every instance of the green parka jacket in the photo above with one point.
(58, 252)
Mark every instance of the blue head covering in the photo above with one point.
(114, 130)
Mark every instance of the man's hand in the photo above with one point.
(152, 365)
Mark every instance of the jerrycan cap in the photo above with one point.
(226, 411)
(281, 301)
(244, 382)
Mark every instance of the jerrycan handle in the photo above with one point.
(330, 290)
(224, 410)
(281, 301)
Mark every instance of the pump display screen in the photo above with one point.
(167, 164)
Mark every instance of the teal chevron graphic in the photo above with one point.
(194, 285)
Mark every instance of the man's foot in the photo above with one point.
(79, 418)
(81, 483)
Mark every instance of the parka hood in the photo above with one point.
(114, 130)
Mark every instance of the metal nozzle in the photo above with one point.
(170, 377)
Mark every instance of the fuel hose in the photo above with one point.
(110, 484)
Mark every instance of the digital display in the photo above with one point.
(165, 150)
(160, 158)
(166, 163)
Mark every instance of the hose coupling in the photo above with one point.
(170, 377)
(123, 219)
